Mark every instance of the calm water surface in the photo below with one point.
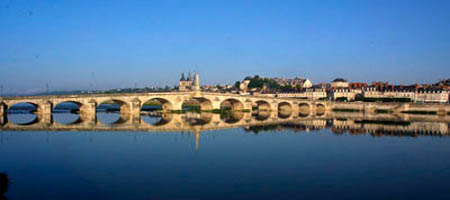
(225, 164)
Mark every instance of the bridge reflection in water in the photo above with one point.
(254, 122)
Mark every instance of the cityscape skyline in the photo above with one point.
(86, 45)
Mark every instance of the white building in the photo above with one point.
(339, 83)
(421, 95)
(431, 96)
(349, 94)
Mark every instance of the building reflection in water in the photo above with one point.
(339, 123)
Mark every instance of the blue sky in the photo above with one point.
(115, 44)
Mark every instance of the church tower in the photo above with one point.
(196, 82)
(190, 83)
(184, 85)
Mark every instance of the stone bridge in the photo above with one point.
(131, 104)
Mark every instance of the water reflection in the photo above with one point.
(4, 184)
(67, 118)
(67, 113)
(23, 118)
(197, 119)
(256, 122)
(262, 115)
(156, 118)
(231, 117)
(257, 150)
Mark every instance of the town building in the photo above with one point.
(189, 83)
(344, 93)
(243, 86)
(294, 82)
(307, 93)
(372, 92)
(425, 95)
(339, 83)
(431, 96)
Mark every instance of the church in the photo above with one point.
(189, 83)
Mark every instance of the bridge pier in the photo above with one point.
(313, 110)
(88, 112)
(273, 115)
(246, 106)
(176, 106)
(403, 107)
(369, 108)
(216, 104)
(3, 113)
(441, 111)
(45, 113)
(136, 111)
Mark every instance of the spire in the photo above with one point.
(189, 77)
(182, 77)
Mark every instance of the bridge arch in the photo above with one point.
(123, 105)
(107, 111)
(197, 103)
(304, 109)
(262, 105)
(23, 113)
(72, 107)
(262, 115)
(231, 117)
(232, 104)
(284, 110)
(320, 109)
(205, 104)
(157, 103)
(157, 118)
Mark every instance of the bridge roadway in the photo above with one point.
(131, 104)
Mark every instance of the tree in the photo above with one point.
(237, 84)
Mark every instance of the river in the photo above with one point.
(316, 159)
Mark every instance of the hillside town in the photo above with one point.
(337, 90)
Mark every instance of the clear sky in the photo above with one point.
(116, 44)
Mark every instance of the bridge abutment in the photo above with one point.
(369, 108)
(176, 106)
(88, 112)
(215, 104)
(44, 113)
(3, 113)
(441, 111)
(245, 107)
(136, 111)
